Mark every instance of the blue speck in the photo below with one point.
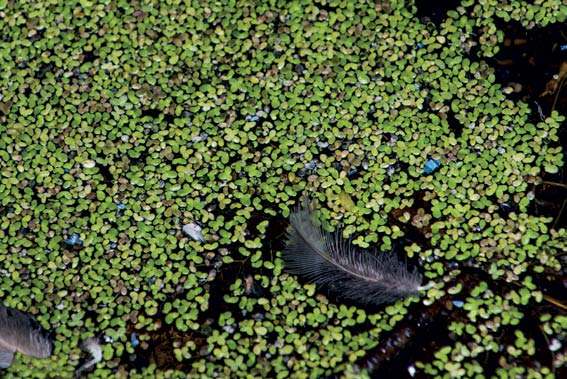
(420, 45)
(458, 303)
(134, 340)
(563, 47)
(431, 165)
(121, 206)
(73, 240)
(352, 172)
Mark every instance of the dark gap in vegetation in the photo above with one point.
(140, 159)
(504, 209)
(412, 234)
(43, 69)
(168, 118)
(413, 341)
(107, 176)
(161, 346)
(398, 351)
(455, 126)
(156, 113)
(552, 285)
(27, 91)
(412, 336)
(325, 6)
(551, 198)
(528, 322)
(435, 12)
(530, 59)
(38, 35)
(527, 62)
(419, 202)
(89, 56)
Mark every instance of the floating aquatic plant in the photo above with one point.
(125, 137)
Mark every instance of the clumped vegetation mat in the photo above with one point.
(124, 124)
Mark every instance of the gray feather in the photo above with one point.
(328, 259)
(19, 331)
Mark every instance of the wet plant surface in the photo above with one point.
(152, 153)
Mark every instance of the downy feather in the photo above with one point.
(91, 346)
(328, 259)
(19, 331)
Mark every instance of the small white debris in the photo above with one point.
(91, 346)
(89, 163)
(411, 370)
(193, 230)
(530, 195)
(201, 137)
(555, 345)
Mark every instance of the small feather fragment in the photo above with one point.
(193, 230)
(91, 346)
(89, 163)
(19, 331)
